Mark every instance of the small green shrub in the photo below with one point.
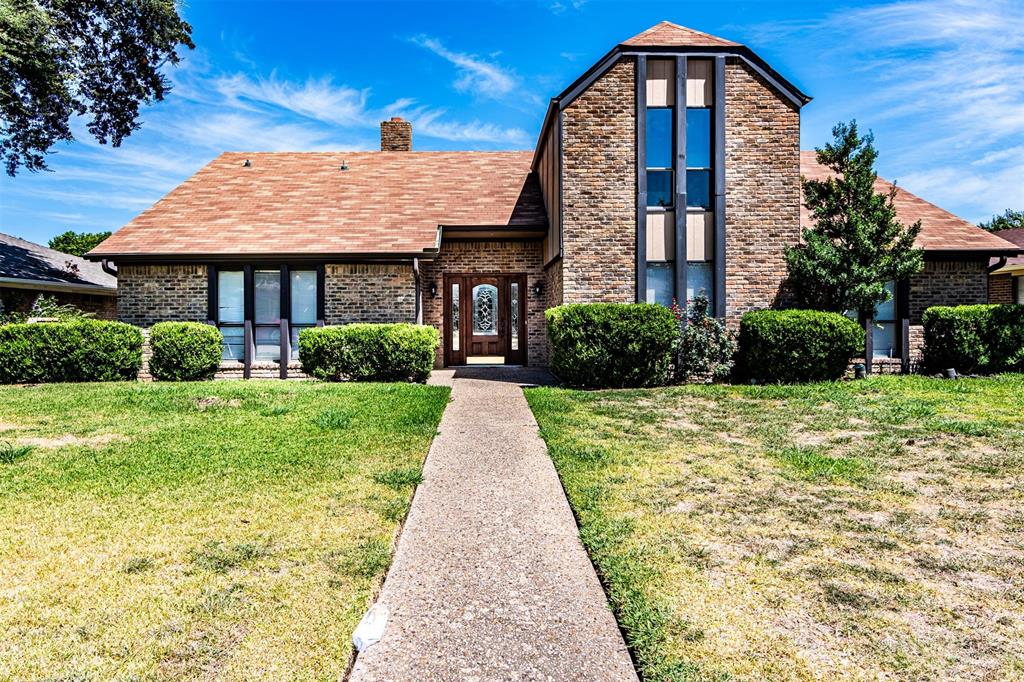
(791, 346)
(369, 352)
(77, 350)
(184, 351)
(706, 347)
(974, 338)
(612, 345)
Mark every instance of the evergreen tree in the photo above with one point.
(856, 244)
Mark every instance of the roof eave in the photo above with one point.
(317, 256)
(977, 252)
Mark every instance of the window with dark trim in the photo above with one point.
(660, 146)
(884, 337)
(279, 303)
(230, 316)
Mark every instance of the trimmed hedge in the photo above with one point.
(612, 345)
(369, 352)
(184, 351)
(974, 338)
(79, 350)
(792, 346)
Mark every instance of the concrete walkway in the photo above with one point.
(490, 580)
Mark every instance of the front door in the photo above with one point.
(484, 320)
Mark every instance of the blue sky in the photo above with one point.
(941, 83)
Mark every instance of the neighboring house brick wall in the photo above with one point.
(148, 294)
(22, 300)
(943, 283)
(360, 292)
(599, 190)
(501, 257)
(1000, 289)
(762, 190)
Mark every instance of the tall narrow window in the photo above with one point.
(231, 313)
(514, 315)
(455, 316)
(883, 332)
(700, 241)
(659, 157)
(303, 299)
(267, 314)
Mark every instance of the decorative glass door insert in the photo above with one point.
(485, 310)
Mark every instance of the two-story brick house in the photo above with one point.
(671, 166)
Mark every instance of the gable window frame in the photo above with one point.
(660, 170)
(282, 323)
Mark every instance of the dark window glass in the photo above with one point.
(698, 138)
(698, 188)
(659, 188)
(659, 138)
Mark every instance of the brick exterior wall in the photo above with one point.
(1000, 289)
(943, 283)
(21, 301)
(147, 294)
(360, 292)
(948, 283)
(762, 190)
(506, 257)
(599, 190)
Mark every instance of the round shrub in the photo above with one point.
(369, 352)
(612, 345)
(791, 346)
(76, 350)
(974, 338)
(184, 351)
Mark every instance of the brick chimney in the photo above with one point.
(395, 135)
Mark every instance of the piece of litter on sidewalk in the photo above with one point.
(371, 627)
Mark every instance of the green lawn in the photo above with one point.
(220, 530)
(854, 531)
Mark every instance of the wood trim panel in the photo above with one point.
(641, 178)
(719, 188)
(679, 221)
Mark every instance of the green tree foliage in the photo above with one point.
(99, 59)
(856, 244)
(1010, 220)
(77, 243)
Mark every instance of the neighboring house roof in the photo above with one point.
(26, 265)
(1015, 264)
(941, 231)
(300, 204)
(667, 34)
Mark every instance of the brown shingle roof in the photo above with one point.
(302, 203)
(940, 229)
(667, 34)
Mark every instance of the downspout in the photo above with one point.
(110, 270)
(419, 290)
(1000, 263)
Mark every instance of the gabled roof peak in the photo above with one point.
(667, 34)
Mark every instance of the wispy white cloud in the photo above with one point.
(561, 6)
(944, 93)
(476, 75)
(318, 99)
